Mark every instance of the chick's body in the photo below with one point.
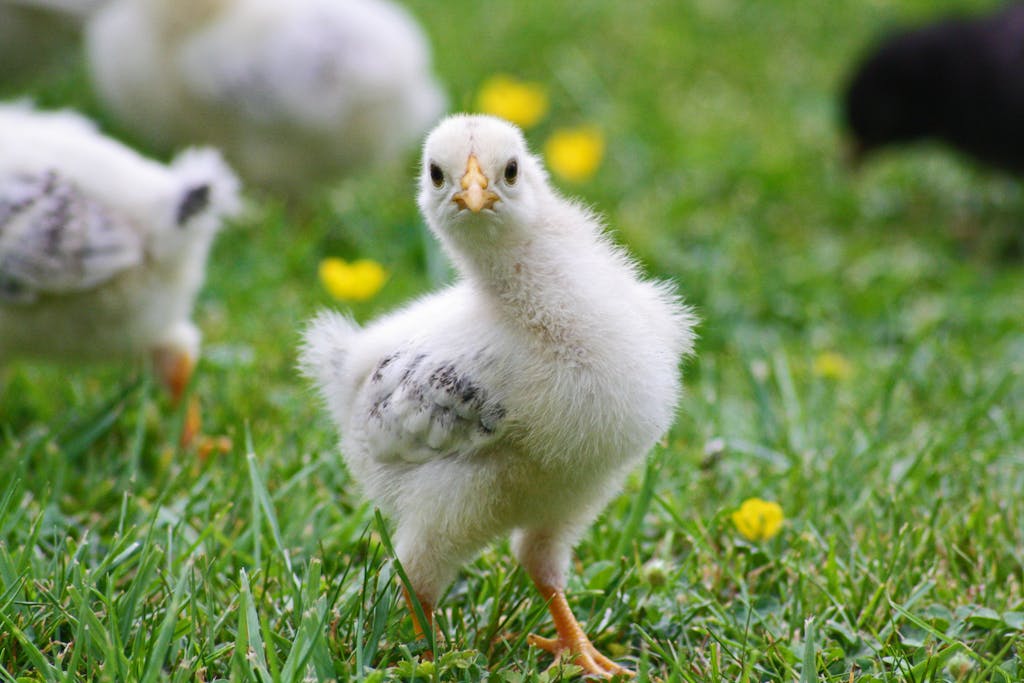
(102, 251)
(516, 399)
(295, 93)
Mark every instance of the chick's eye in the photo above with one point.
(436, 175)
(511, 172)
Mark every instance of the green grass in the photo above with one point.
(122, 558)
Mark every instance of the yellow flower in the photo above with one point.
(575, 153)
(356, 281)
(832, 365)
(524, 104)
(758, 520)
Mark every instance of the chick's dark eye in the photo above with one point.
(511, 172)
(436, 175)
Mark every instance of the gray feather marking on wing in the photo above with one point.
(56, 240)
(422, 409)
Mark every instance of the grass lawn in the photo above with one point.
(900, 471)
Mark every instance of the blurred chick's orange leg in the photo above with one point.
(175, 370)
(571, 638)
(193, 423)
(428, 613)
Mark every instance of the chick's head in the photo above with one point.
(203, 191)
(479, 184)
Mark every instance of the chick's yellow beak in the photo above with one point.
(474, 195)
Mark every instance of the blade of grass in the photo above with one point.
(417, 608)
(809, 668)
(250, 653)
(161, 646)
(266, 507)
(641, 503)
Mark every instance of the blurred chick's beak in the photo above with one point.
(474, 195)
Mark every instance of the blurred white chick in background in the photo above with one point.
(295, 93)
(102, 251)
(515, 400)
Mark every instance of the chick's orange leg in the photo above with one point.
(572, 640)
(428, 613)
(175, 370)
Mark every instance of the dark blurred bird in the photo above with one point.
(959, 81)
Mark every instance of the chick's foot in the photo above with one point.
(572, 642)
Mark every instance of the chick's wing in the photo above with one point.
(420, 408)
(56, 240)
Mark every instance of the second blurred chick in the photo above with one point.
(295, 93)
(102, 251)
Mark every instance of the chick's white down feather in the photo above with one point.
(102, 251)
(517, 399)
(294, 92)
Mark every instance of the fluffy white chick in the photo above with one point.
(295, 92)
(515, 400)
(102, 251)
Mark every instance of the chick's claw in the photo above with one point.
(582, 653)
(572, 640)
(207, 446)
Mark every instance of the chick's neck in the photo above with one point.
(539, 285)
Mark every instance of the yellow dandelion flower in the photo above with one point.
(356, 281)
(575, 153)
(758, 520)
(522, 103)
(832, 365)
